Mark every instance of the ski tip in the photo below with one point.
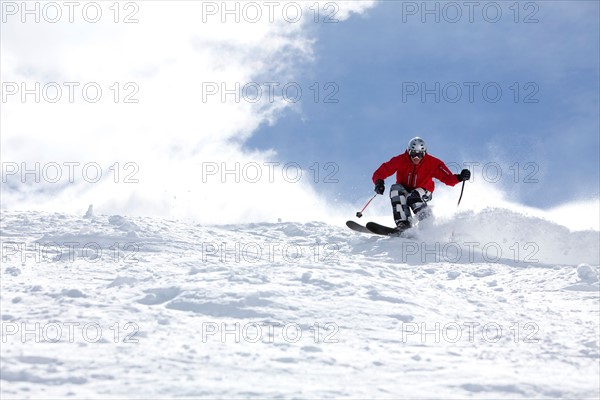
(356, 227)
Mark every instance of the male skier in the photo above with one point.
(415, 170)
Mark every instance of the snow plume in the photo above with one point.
(481, 196)
(576, 215)
(145, 110)
(486, 217)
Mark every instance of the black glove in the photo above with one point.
(379, 186)
(464, 175)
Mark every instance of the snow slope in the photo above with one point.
(488, 304)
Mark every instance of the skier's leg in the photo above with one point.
(417, 201)
(400, 207)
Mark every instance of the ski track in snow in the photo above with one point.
(362, 304)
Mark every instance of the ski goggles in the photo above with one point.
(416, 154)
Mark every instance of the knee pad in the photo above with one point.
(400, 207)
(417, 201)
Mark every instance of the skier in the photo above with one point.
(415, 170)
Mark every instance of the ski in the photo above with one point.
(378, 229)
(406, 233)
(357, 227)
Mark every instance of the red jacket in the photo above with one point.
(416, 176)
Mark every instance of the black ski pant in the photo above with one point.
(403, 202)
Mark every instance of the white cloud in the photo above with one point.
(170, 55)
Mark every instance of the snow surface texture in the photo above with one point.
(489, 304)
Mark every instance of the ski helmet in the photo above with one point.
(417, 144)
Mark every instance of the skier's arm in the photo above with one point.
(443, 174)
(385, 170)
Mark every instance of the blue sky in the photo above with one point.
(547, 151)
(554, 141)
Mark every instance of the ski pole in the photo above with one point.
(359, 214)
(461, 193)
(457, 204)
